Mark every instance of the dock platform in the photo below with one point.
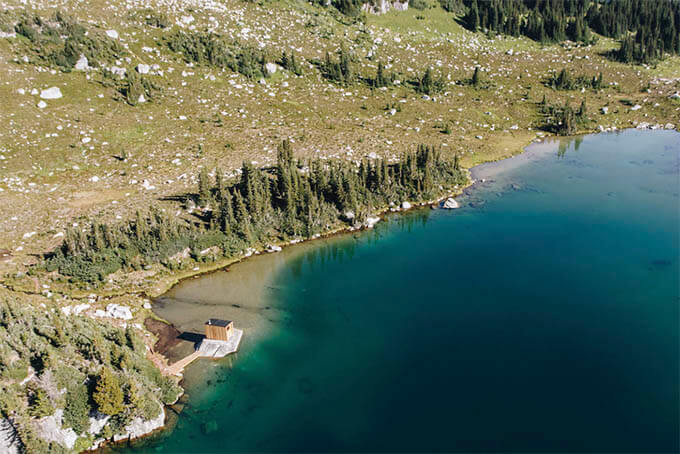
(209, 348)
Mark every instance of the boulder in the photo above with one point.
(348, 215)
(51, 93)
(450, 204)
(113, 34)
(42, 105)
(271, 68)
(82, 64)
(118, 311)
(143, 69)
(371, 221)
(405, 206)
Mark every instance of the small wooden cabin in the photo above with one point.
(216, 329)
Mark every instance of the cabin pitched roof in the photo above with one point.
(218, 322)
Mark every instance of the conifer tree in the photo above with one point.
(108, 394)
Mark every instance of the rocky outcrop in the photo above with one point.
(140, 427)
(49, 429)
(9, 441)
(383, 6)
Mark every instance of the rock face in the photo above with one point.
(383, 6)
(450, 204)
(9, 441)
(49, 429)
(140, 427)
(51, 93)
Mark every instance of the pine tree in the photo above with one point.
(39, 403)
(476, 77)
(203, 187)
(108, 394)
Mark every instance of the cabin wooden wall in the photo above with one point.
(218, 332)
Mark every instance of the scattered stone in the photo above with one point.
(405, 206)
(113, 34)
(143, 68)
(636, 107)
(604, 110)
(42, 104)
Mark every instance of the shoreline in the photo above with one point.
(474, 175)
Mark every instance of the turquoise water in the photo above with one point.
(541, 317)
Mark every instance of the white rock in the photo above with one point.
(372, 155)
(139, 427)
(349, 215)
(51, 93)
(141, 99)
(675, 96)
(371, 221)
(636, 107)
(9, 440)
(605, 110)
(97, 422)
(118, 311)
(271, 68)
(49, 429)
(86, 139)
(405, 205)
(147, 306)
(113, 34)
(450, 204)
(94, 179)
(21, 91)
(82, 64)
(148, 186)
(143, 68)
(42, 104)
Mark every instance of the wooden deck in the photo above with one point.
(210, 349)
(178, 367)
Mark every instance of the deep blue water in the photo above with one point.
(544, 318)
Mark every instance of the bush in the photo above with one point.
(420, 5)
